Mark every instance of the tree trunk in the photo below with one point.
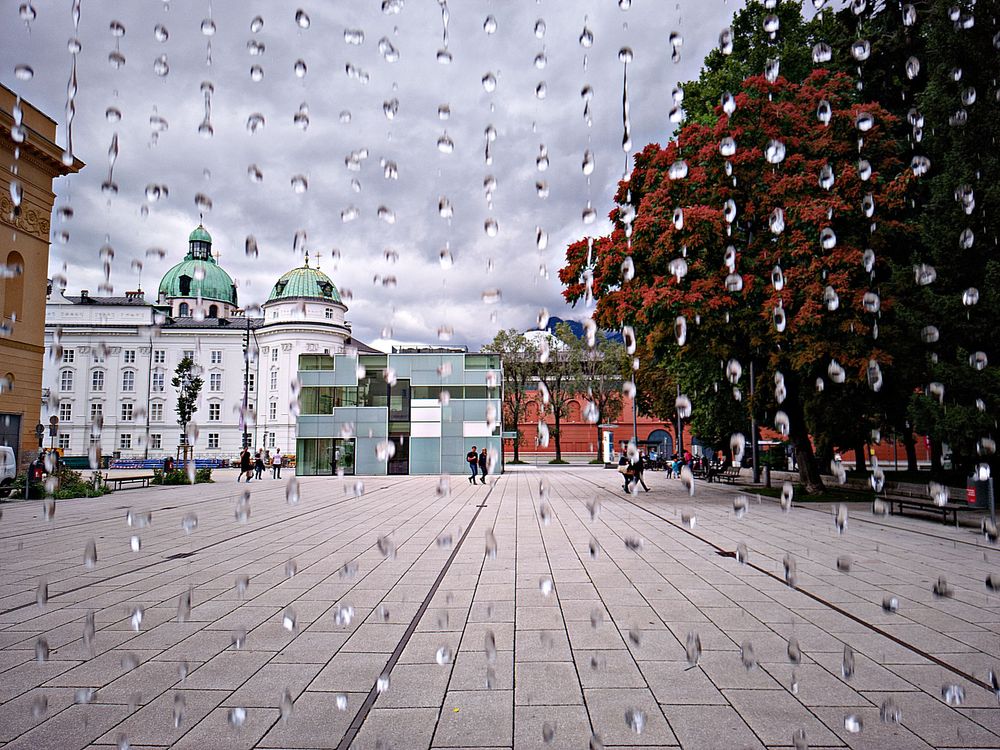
(935, 457)
(859, 456)
(809, 473)
(555, 413)
(516, 414)
(910, 446)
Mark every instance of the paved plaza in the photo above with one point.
(544, 610)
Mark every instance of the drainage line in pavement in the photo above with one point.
(849, 615)
(198, 549)
(366, 707)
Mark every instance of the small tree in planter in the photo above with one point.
(188, 387)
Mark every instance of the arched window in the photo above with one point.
(183, 310)
(66, 380)
(213, 311)
(185, 285)
(573, 412)
(128, 380)
(97, 380)
(13, 288)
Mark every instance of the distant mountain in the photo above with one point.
(577, 328)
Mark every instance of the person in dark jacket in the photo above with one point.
(246, 465)
(473, 460)
(637, 468)
(482, 465)
(258, 465)
(625, 470)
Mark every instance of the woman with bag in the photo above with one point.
(625, 470)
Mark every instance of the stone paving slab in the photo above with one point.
(574, 630)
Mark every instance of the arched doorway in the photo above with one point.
(661, 441)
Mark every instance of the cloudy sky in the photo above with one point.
(393, 270)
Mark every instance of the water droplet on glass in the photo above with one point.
(302, 19)
(255, 122)
(160, 66)
(635, 719)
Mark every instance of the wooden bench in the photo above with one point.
(898, 504)
(142, 480)
(729, 474)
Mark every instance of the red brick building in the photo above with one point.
(580, 439)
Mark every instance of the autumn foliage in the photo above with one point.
(754, 255)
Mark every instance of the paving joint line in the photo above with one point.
(820, 600)
(196, 550)
(366, 707)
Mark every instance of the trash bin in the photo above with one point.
(979, 494)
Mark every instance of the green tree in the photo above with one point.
(188, 386)
(955, 312)
(601, 371)
(753, 48)
(520, 362)
(558, 373)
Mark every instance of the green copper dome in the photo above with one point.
(305, 282)
(199, 274)
(200, 234)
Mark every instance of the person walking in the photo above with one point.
(245, 465)
(482, 465)
(473, 460)
(258, 465)
(637, 469)
(276, 464)
(624, 470)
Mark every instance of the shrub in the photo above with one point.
(70, 484)
(180, 476)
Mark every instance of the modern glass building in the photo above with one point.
(432, 406)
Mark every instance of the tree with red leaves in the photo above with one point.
(757, 239)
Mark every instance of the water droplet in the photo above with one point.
(237, 716)
(635, 719)
(208, 27)
(300, 184)
(255, 122)
(445, 144)
(23, 72)
(443, 655)
(160, 66)
(853, 723)
(490, 24)
(302, 19)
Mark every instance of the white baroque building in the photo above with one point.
(110, 360)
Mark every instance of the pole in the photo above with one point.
(149, 393)
(635, 417)
(753, 428)
(246, 381)
(680, 428)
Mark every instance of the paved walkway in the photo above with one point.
(547, 610)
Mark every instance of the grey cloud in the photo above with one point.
(426, 296)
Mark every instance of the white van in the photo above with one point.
(8, 469)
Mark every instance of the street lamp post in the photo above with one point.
(753, 428)
(246, 381)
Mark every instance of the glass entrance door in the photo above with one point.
(343, 456)
(400, 462)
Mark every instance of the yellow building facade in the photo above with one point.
(24, 260)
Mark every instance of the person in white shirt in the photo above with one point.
(276, 465)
